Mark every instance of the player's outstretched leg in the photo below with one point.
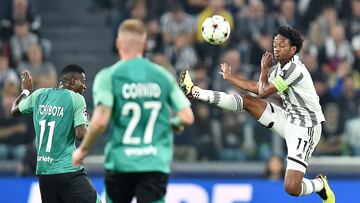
(220, 99)
(326, 194)
(254, 105)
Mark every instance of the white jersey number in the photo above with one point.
(42, 124)
(154, 106)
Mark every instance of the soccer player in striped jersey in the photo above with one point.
(298, 122)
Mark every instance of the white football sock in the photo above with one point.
(310, 186)
(220, 99)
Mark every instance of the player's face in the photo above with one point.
(79, 84)
(283, 51)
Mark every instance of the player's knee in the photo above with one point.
(291, 188)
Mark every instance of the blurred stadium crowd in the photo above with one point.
(21, 47)
(331, 52)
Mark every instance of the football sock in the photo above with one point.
(310, 186)
(219, 99)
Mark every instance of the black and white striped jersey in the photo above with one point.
(297, 91)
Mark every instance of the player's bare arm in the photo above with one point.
(265, 88)
(80, 131)
(98, 124)
(26, 86)
(183, 117)
(247, 85)
(186, 116)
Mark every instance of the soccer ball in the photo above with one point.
(215, 29)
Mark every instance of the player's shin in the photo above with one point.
(220, 99)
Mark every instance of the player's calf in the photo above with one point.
(292, 182)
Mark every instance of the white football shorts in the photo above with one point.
(300, 141)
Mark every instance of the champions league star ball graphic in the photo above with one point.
(215, 29)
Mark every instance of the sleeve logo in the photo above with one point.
(85, 114)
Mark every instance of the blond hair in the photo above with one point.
(133, 26)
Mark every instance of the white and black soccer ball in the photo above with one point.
(215, 29)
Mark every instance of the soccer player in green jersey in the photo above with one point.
(139, 98)
(59, 116)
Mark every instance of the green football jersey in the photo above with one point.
(142, 96)
(56, 113)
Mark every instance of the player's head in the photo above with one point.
(287, 42)
(73, 77)
(131, 38)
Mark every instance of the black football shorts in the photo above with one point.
(67, 188)
(147, 187)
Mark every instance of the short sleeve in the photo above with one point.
(102, 88)
(79, 106)
(26, 105)
(289, 75)
(177, 98)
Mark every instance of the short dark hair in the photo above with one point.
(71, 68)
(292, 35)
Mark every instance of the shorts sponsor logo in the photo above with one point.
(44, 159)
(141, 151)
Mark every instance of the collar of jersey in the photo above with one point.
(294, 58)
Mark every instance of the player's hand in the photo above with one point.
(266, 61)
(26, 81)
(78, 156)
(225, 71)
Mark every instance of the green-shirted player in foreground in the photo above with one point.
(139, 97)
(59, 116)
